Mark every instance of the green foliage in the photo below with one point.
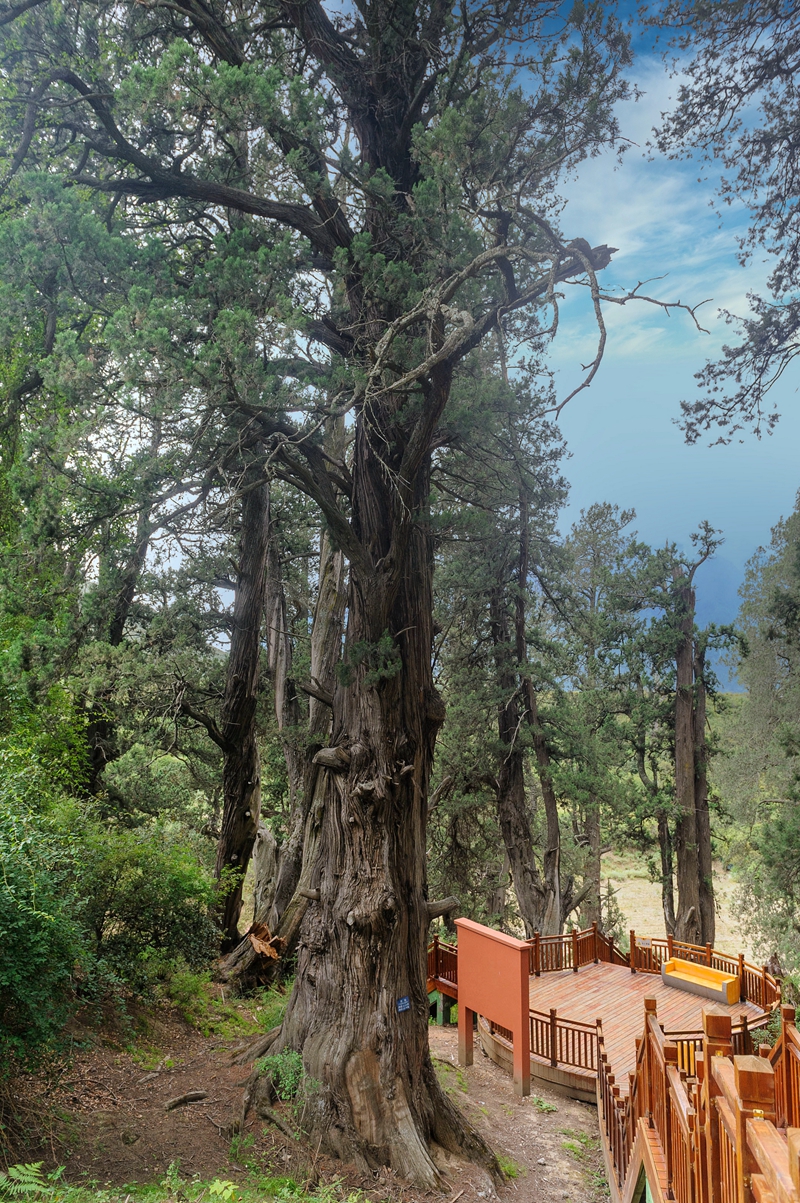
(272, 1003)
(30, 1182)
(43, 948)
(380, 660)
(286, 1072)
(146, 900)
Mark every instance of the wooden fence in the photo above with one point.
(718, 1134)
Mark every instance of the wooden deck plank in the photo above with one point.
(616, 996)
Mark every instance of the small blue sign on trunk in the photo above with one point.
(404, 1003)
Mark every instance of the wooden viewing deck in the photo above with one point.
(684, 1105)
(582, 978)
(614, 995)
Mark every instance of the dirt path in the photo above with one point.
(109, 1126)
(549, 1143)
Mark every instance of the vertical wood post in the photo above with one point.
(466, 1019)
(670, 947)
(742, 987)
(649, 1009)
(595, 942)
(435, 951)
(574, 950)
(709, 953)
(522, 1033)
(633, 951)
(537, 954)
(716, 1043)
(763, 1003)
(553, 1036)
(782, 1103)
(755, 1090)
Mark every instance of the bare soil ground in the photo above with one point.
(103, 1118)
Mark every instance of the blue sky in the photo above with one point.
(625, 446)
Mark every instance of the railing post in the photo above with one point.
(742, 985)
(650, 1008)
(670, 947)
(755, 1090)
(537, 954)
(716, 1043)
(788, 1016)
(633, 951)
(574, 950)
(553, 1036)
(709, 953)
(595, 942)
(763, 1003)
(793, 1144)
(435, 956)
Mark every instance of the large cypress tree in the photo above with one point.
(346, 205)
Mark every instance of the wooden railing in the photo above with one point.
(551, 954)
(563, 1041)
(714, 1135)
(443, 963)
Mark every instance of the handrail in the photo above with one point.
(711, 1136)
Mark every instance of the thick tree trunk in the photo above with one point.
(539, 906)
(590, 908)
(667, 869)
(284, 908)
(708, 916)
(359, 1010)
(241, 772)
(326, 643)
(695, 921)
(688, 922)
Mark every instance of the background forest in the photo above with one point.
(282, 507)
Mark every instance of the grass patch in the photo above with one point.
(510, 1167)
(271, 1003)
(542, 1104)
(451, 1077)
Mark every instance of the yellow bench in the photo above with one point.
(700, 979)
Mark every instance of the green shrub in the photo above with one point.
(42, 943)
(146, 901)
(286, 1072)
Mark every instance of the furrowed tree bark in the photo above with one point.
(688, 924)
(326, 643)
(695, 920)
(284, 907)
(241, 772)
(362, 946)
(708, 916)
(535, 905)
